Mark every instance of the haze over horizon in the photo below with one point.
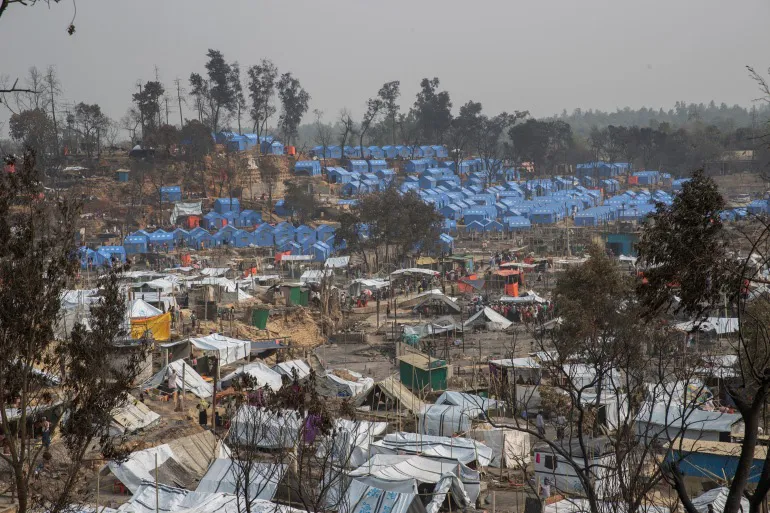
(541, 57)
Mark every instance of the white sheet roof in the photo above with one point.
(464, 400)
(285, 368)
(362, 498)
(259, 427)
(462, 449)
(491, 317)
(226, 475)
(214, 271)
(228, 349)
(346, 388)
(315, 276)
(520, 363)
(263, 374)
(139, 308)
(337, 262)
(414, 270)
(717, 497)
(676, 416)
(193, 381)
(133, 416)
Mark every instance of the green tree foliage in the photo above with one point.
(389, 225)
(684, 252)
(148, 103)
(294, 102)
(389, 94)
(196, 141)
(38, 233)
(432, 111)
(540, 142)
(90, 124)
(262, 80)
(35, 130)
(214, 95)
(301, 201)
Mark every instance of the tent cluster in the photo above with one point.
(380, 152)
(244, 142)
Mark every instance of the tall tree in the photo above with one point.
(373, 108)
(147, 101)
(262, 80)
(389, 94)
(35, 130)
(214, 95)
(433, 111)
(294, 102)
(91, 124)
(463, 131)
(237, 87)
(53, 91)
(323, 134)
(347, 128)
(40, 350)
(489, 145)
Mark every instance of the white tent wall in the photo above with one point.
(226, 475)
(226, 349)
(132, 417)
(259, 371)
(444, 420)
(361, 498)
(510, 448)
(258, 427)
(193, 382)
(464, 450)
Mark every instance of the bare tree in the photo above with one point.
(347, 128)
(373, 108)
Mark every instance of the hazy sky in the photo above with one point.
(541, 56)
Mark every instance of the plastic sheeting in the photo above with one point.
(192, 208)
(227, 350)
(467, 401)
(258, 427)
(362, 498)
(178, 500)
(716, 497)
(398, 473)
(463, 450)
(346, 388)
(510, 448)
(286, 368)
(132, 417)
(226, 475)
(259, 371)
(352, 441)
(491, 319)
(139, 308)
(159, 326)
(193, 382)
(444, 419)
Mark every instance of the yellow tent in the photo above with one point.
(159, 325)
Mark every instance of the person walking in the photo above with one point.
(540, 424)
(46, 431)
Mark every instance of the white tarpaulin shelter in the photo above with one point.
(468, 401)
(414, 270)
(362, 498)
(286, 368)
(132, 417)
(491, 319)
(583, 506)
(178, 500)
(337, 262)
(352, 440)
(527, 299)
(315, 276)
(677, 420)
(258, 427)
(400, 473)
(193, 382)
(342, 387)
(717, 498)
(720, 325)
(435, 296)
(191, 208)
(226, 475)
(358, 286)
(180, 462)
(510, 448)
(138, 308)
(445, 419)
(461, 449)
(259, 371)
(226, 349)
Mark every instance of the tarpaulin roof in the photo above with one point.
(432, 295)
(396, 391)
(492, 319)
(342, 387)
(228, 350)
(337, 262)
(414, 270)
(183, 460)
(464, 450)
(717, 498)
(133, 416)
(455, 398)
(138, 308)
(192, 208)
(259, 371)
(388, 470)
(286, 368)
(226, 475)
(258, 427)
(362, 498)
(193, 381)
